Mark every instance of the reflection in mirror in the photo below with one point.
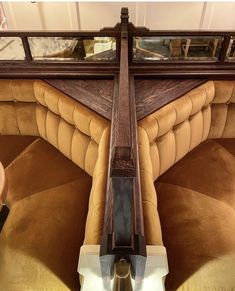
(230, 56)
(204, 48)
(11, 48)
(73, 48)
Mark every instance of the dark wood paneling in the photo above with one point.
(151, 94)
(95, 94)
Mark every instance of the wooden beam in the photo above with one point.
(123, 234)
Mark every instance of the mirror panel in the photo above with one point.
(11, 48)
(230, 56)
(73, 48)
(181, 48)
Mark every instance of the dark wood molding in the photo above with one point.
(143, 31)
(110, 31)
(179, 71)
(94, 94)
(123, 232)
(152, 94)
(57, 70)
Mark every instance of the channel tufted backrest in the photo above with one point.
(75, 130)
(168, 134)
(223, 110)
(31, 107)
(178, 127)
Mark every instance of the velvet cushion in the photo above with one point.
(39, 167)
(40, 241)
(12, 146)
(196, 204)
(228, 143)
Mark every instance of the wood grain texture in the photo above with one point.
(123, 232)
(94, 94)
(152, 94)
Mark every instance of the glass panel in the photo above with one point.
(230, 56)
(11, 48)
(204, 48)
(73, 48)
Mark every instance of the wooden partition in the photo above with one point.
(123, 235)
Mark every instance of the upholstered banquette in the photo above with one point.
(187, 164)
(55, 154)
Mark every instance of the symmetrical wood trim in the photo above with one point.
(57, 70)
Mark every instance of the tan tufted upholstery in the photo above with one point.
(178, 127)
(57, 183)
(165, 138)
(31, 107)
(167, 135)
(223, 110)
(35, 108)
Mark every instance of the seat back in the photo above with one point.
(169, 133)
(32, 107)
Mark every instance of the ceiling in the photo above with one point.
(95, 15)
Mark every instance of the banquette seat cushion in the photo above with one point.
(12, 146)
(187, 167)
(199, 233)
(55, 153)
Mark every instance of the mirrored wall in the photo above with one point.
(230, 56)
(11, 48)
(182, 48)
(73, 48)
